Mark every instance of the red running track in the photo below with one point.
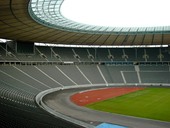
(92, 96)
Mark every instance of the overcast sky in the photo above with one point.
(118, 13)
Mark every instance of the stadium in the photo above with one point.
(58, 73)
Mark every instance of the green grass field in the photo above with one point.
(153, 103)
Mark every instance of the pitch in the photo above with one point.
(152, 103)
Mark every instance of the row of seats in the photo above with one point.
(15, 96)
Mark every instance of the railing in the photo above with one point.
(84, 63)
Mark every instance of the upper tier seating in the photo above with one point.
(46, 53)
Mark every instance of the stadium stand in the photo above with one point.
(21, 79)
(149, 73)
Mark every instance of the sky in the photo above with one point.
(118, 13)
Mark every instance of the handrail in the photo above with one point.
(84, 62)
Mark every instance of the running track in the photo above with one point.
(91, 96)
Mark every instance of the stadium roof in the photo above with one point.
(42, 21)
